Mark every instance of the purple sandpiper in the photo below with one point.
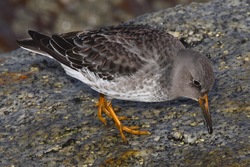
(129, 62)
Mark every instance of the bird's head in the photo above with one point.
(193, 78)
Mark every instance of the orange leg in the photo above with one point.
(104, 106)
(101, 108)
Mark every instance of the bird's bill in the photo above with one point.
(203, 101)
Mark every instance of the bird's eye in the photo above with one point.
(196, 83)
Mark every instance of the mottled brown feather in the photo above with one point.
(108, 52)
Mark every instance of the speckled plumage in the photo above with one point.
(121, 56)
(129, 62)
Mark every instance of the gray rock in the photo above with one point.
(49, 119)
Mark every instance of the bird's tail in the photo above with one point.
(31, 45)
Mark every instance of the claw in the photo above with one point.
(106, 107)
(135, 132)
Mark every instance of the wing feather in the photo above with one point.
(108, 52)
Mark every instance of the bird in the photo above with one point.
(129, 62)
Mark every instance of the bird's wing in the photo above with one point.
(108, 52)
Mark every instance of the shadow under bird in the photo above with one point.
(129, 62)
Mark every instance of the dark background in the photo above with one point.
(18, 16)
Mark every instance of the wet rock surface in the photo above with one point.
(50, 119)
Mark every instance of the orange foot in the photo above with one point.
(106, 107)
